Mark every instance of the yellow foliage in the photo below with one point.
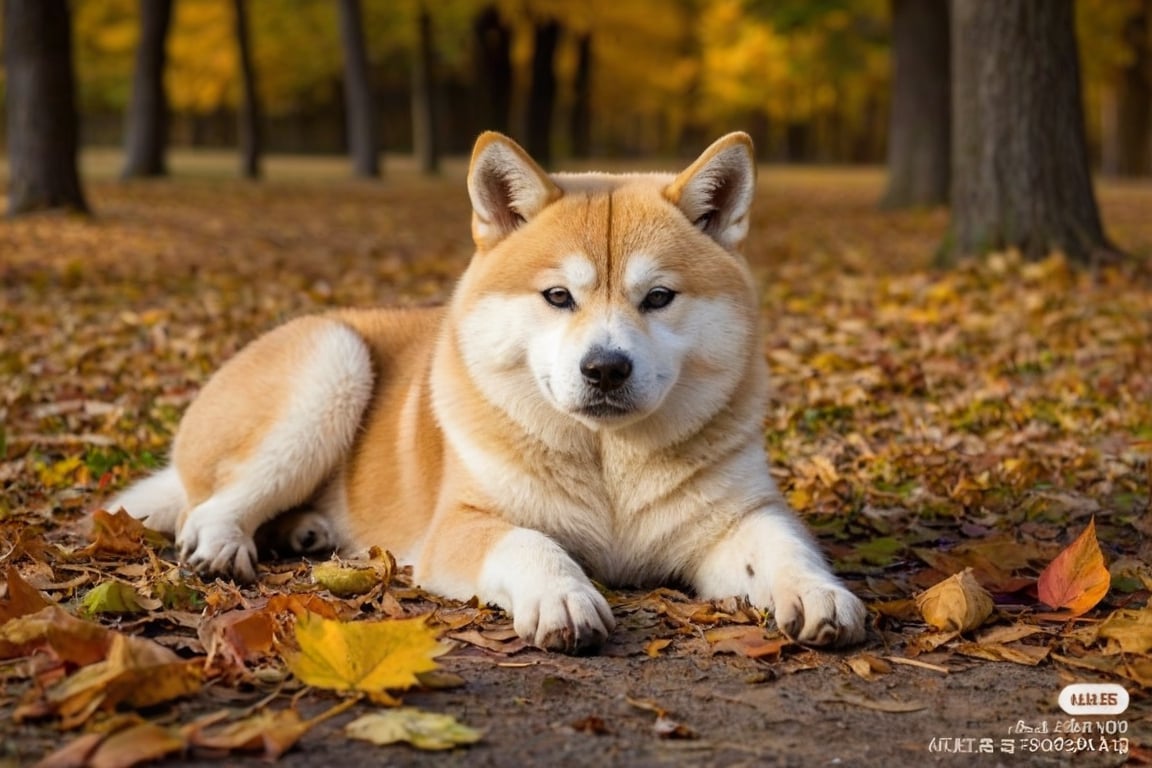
(367, 656)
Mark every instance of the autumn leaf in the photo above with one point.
(116, 597)
(119, 533)
(269, 732)
(55, 631)
(1129, 630)
(137, 744)
(1077, 579)
(136, 673)
(423, 730)
(956, 604)
(367, 656)
(22, 597)
(751, 641)
(344, 579)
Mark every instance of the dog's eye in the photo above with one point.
(657, 298)
(559, 298)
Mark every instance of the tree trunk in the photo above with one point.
(1020, 176)
(251, 144)
(493, 71)
(359, 109)
(146, 132)
(42, 120)
(920, 131)
(1131, 142)
(542, 94)
(424, 122)
(582, 99)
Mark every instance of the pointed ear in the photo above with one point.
(716, 191)
(507, 188)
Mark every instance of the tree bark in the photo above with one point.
(542, 93)
(1130, 148)
(146, 132)
(424, 119)
(492, 40)
(581, 124)
(1020, 174)
(920, 130)
(43, 125)
(251, 140)
(360, 110)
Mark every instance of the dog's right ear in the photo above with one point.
(507, 188)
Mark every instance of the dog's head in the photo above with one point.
(608, 298)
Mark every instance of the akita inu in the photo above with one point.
(590, 404)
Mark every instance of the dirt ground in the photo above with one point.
(807, 709)
(132, 311)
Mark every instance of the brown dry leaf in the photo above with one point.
(137, 744)
(880, 705)
(136, 673)
(1008, 633)
(656, 645)
(743, 640)
(119, 533)
(868, 666)
(58, 632)
(957, 604)
(271, 733)
(500, 642)
(22, 598)
(234, 638)
(1077, 579)
(74, 754)
(1017, 653)
(1128, 631)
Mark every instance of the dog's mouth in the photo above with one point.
(606, 408)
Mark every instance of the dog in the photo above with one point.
(589, 405)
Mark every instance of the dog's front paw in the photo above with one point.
(218, 548)
(569, 617)
(819, 612)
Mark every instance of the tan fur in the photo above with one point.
(473, 442)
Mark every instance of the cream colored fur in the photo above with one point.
(589, 405)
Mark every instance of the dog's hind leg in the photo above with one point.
(268, 430)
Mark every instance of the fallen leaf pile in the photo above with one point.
(973, 447)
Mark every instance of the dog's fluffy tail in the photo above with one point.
(156, 500)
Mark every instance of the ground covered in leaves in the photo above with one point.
(972, 446)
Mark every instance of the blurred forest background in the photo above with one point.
(811, 81)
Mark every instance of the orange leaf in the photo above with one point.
(1077, 578)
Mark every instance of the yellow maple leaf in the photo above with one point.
(367, 656)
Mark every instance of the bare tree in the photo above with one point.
(492, 41)
(425, 128)
(542, 92)
(359, 110)
(1020, 174)
(41, 106)
(920, 130)
(581, 119)
(1128, 148)
(146, 133)
(251, 140)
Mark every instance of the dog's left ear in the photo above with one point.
(716, 191)
(507, 188)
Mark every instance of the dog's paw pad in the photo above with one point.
(820, 613)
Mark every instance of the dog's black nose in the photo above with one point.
(606, 369)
